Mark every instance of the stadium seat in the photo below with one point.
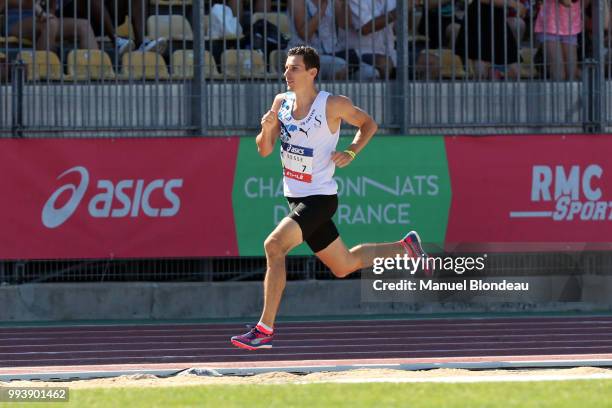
(527, 69)
(442, 63)
(277, 62)
(125, 30)
(172, 27)
(89, 64)
(4, 41)
(183, 65)
(139, 65)
(281, 20)
(41, 65)
(244, 64)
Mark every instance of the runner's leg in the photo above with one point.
(286, 236)
(342, 261)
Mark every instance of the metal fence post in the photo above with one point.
(593, 75)
(402, 65)
(199, 97)
(589, 108)
(17, 85)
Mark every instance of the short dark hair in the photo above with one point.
(309, 55)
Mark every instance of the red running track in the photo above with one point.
(183, 345)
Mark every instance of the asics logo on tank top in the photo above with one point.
(306, 149)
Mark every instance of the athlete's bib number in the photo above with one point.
(297, 162)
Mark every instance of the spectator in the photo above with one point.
(557, 27)
(242, 7)
(585, 42)
(96, 12)
(103, 13)
(439, 23)
(518, 23)
(238, 6)
(314, 24)
(371, 33)
(28, 19)
(486, 39)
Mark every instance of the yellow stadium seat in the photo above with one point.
(125, 30)
(281, 20)
(172, 27)
(139, 65)
(441, 63)
(41, 65)
(14, 40)
(277, 62)
(90, 64)
(527, 69)
(183, 65)
(244, 64)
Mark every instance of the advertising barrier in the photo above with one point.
(123, 198)
(196, 197)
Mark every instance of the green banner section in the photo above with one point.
(396, 184)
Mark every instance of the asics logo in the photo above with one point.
(54, 217)
(295, 150)
(133, 197)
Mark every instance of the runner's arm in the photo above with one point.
(270, 128)
(355, 116)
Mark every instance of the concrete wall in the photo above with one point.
(75, 301)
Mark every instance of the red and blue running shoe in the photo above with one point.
(253, 340)
(412, 244)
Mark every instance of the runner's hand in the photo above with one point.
(341, 159)
(269, 121)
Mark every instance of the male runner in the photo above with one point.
(308, 123)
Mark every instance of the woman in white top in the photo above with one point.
(371, 33)
(314, 23)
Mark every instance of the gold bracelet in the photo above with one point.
(351, 153)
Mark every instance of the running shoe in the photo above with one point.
(123, 45)
(159, 45)
(253, 340)
(412, 244)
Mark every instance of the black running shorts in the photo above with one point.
(314, 216)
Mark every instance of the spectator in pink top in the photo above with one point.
(557, 27)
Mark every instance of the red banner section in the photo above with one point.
(530, 189)
(172, 197)
(123, 198)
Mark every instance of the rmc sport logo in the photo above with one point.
(575, 192)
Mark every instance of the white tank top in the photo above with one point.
(306, 149)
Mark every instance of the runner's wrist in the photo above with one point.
(351, 153)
